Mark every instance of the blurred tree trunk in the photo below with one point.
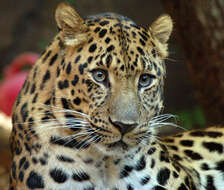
(199, 27)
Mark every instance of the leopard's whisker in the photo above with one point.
(56, 125)
(85, 141)
(71, 139)
(150, 136)
(68, 124)
(78, 135)
(171, 59)
(46, 120)
(93, 134)
(67, 110)
(162, 117)
(164, 124)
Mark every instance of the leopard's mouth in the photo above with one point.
(110, 143)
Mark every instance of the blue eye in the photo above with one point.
(145, 80)
(99, 75)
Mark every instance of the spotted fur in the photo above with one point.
(87, 115)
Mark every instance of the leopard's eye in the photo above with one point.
(145, 80)
(99, 75)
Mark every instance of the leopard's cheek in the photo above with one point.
(152, 101)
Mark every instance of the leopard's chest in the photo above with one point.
(98, 175)
(95, 172)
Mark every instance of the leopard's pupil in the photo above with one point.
(100, 75)
(144, 78)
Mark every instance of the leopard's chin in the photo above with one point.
(119, 145)
(119, 148)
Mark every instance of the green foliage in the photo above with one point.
(71, 2)
(190, 119)
(42, 44)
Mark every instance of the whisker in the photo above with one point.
(78, 135)
(91, 138)
(46, 120)
(159, 125)
(163, 117)
(66, 110)
(159, 121)
(56, 125)
(71, 138)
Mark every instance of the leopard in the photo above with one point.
(88, 114)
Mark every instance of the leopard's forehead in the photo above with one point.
(120, 29)
(116, 39)
(110, 19)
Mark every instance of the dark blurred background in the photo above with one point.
(28, 25)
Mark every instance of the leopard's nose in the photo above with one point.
(123, 127)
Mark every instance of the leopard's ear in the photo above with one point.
(161, 28)
(74, 30)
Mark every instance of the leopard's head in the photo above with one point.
(110, 82)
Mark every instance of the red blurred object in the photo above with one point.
(14, 77)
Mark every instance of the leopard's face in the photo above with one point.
(111, 83)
